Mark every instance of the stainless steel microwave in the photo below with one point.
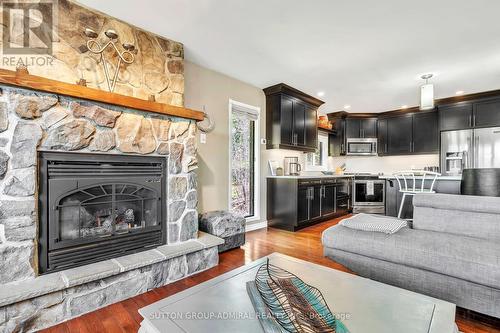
(362, 146)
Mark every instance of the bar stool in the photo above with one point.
(403, 177)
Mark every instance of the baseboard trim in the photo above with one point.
(255, 226)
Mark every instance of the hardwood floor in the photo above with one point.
(304, 244)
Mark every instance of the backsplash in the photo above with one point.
(375, 164)
(385, 164)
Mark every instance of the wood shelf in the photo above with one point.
(39, 83)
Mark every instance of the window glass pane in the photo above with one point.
(242, 165)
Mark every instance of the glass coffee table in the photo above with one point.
(223, 305)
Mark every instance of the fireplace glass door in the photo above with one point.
(106, 209)
(95, 207)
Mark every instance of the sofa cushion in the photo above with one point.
(472, 259)
(466, 215)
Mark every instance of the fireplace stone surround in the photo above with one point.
(32, 121)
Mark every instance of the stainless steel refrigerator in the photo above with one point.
(474, 148)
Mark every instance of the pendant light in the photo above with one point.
(426, 93)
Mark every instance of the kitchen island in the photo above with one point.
(298, 201)
(444, 184)
(295, 202)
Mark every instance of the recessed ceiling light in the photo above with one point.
(320, 93)
(404, 106)
(347, 107)
(460, 92)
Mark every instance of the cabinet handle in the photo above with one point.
(474, 120)
(385, 150)
(470, 120)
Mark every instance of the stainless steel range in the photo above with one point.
(368, 194)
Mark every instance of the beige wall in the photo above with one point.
(213, 90)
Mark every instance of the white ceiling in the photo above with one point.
(367, 54)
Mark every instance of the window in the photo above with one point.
(243, 128)
(317, 161)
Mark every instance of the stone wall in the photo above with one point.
(158, 68)
(31, 120)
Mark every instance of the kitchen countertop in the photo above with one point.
(311, 176)
(420, 177)
(350, 176)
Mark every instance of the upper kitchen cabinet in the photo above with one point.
(291, 121)
(478, 111)
(399, 135)
(408, 133)
(487, 113)
(382, 137)
(455, 116)
(425, 133)
(337, 140)
(361, 128)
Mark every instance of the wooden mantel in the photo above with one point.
(23, 80)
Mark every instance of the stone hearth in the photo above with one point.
(32, 121)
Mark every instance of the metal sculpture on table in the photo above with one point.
(125, 56)
(295, 305)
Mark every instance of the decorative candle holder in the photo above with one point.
(125, 56)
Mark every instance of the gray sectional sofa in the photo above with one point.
(452, 251)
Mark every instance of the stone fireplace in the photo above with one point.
(97, 204)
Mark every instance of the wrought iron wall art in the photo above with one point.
(126, 56)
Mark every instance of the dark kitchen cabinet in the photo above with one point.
(286, 121)
(294, 203)
(455, 116)
(382, 137)
(361, 128)
(399, 135)
(409, 133)
(315, 202)
(328, 200)
(486, 113)
(291, 119)
(353, 128)
(369, 128)
(337, 143)
(425, 133)
(299, 126)
(303, 195)
(311, 127)
(309, 203)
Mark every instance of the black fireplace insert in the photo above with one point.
(98, 206)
